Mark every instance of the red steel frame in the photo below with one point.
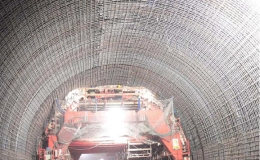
(92, 146)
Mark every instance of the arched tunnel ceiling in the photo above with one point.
(203, 53)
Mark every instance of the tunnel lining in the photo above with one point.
(213, 45)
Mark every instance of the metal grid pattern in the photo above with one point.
(204, 53)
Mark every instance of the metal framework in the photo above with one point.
(149, 124)
(204, 53)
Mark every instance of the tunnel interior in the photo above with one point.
(205, 54)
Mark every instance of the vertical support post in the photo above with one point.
(96, 104)
(105, 97)
(139, 103)
(128, 148)
(85, 117)
(122, 99)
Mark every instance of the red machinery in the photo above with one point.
(113, 120)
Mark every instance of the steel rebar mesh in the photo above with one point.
(204, 53)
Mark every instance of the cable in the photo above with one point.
(58, 105)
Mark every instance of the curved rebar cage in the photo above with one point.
(204, 53)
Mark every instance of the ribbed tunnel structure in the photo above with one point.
(205, 54)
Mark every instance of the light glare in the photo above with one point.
(115, 126)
